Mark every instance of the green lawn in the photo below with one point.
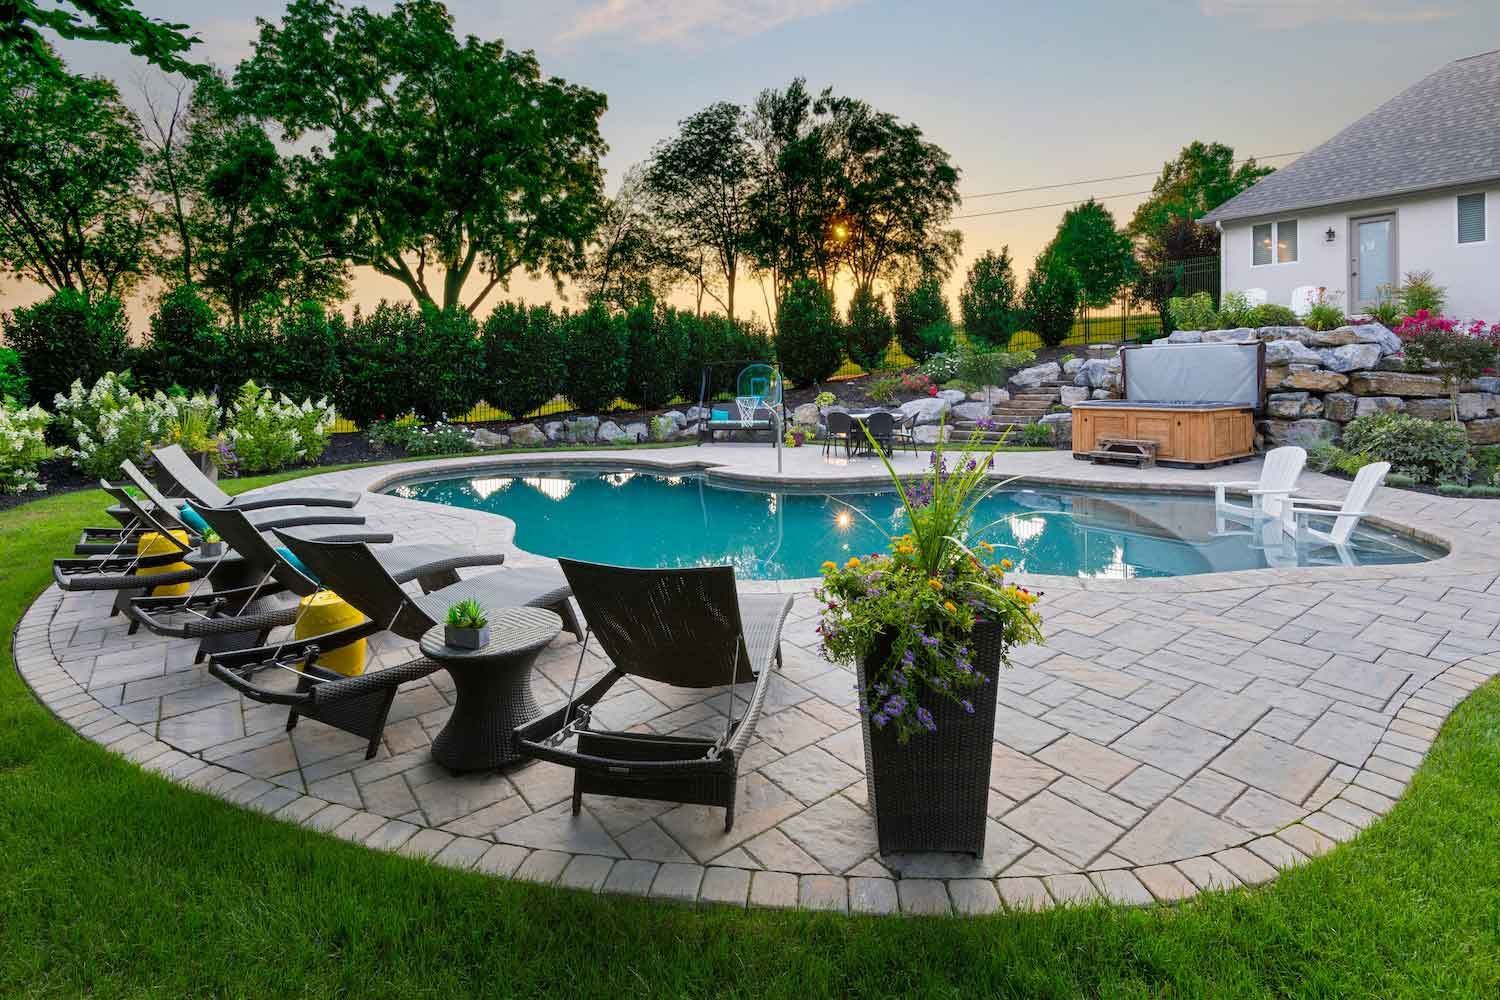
(116, 883)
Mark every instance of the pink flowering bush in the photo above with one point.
(1460, 352)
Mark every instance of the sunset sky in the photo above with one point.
(1021, 95)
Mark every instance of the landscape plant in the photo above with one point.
(23, 445)
(1419, 292)
(808, 344)
(187, 348)
(1193, 312)
(467, 613)
(883, 390)
(1325, 314)
(1430, 451)
(445, 364)
(106, 424)
(920, 315)
(374, 381)
(1459, 352)
(1235, 311)
(1272, 314)
(989, 302)
(189, 421)
(1050, 300)
(525, 359)
(273, 432)
(868, 330)
(1036, 435)
(66, 336)
(595, 353)
(14, 384)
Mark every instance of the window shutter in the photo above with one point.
(1260, 238)
(1471, 218)
(1286, 241)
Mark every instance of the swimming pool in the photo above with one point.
(641, 517)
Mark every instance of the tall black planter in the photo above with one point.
(933, 793)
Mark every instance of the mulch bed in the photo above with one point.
(58, 475)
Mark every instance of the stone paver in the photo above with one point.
(1222, 726)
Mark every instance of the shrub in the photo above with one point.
(189, 421)
(942, 367)
(1271, 314)
(981, 368)
(807, 336)
(524, 357)
(13, 381)
(375, 382)
(1051, 300)
(1325, 313)
(1428, 451)
(1235, 311)
(920, 315)
(869, 331)
(302, 357)
(23, 446)
(67, 337)
(1193, 312)
(271, 433)
(1459, 352)
(883, 390)
(187, 347)
(1387, 308)
(988, 302)
(1419, 292)
(438, 439)
(107, 424)
(1400, 480)
(595, 357)
(1036, 435)
(446, 362)
(656, 347)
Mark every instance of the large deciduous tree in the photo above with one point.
(71, 211)
(160, 42)
(701, 180)
(631, 257)
(1099, 254)
(442, 154)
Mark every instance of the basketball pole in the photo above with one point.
(776, 413)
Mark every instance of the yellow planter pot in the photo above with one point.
(324, 612)
(154, 544)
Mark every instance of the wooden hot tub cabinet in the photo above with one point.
(1199, 434)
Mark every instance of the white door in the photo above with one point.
(1372, 262)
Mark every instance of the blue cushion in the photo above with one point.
(190, 517)
(291, 557)
(723, 415)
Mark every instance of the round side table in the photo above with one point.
(493, 686)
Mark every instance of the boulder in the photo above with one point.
(1287, 405)
(1392, 363)
(929, 410)
(1429, 409)
(1275, 376)
(1030, 378)
(1349, 357)
(527, 435)
(678, 418)
(553, 429)
(1375, 333)
(953, 396)
(1073, 394)
(1185, 337)
(486, 438)
(582, 430)
(1062, 428)
(697, 413)
(1093, 374)
(1378, 404)
(1070, 367)
(1102, 394)
(971, 411)
(609, 432)
(1286, 352)
(1340, 406)
(1314, 379)
(1488, 383)
(1485, 431)
(1395, 383)
(1473, 405)
(1341, 337)
(1269, 333)
(1239, 334)
(1301, 432)
(806, 415)
(990, 394)
(931, 433)
(637, 430)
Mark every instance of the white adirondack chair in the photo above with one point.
(1269, 494)
(1304, 297)
(1256, 296)
(1346, 514)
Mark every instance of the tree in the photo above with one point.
(630, 258)
(71, 214)
(868, 333)
(1099, 254)
(187, 347)
(807, 335)
(988, 300)
(923, 322)
(65, 337)
(701, 182)
(160, 42)
(446, 154)
(524, 357)
(1050, 300)
(234, 225)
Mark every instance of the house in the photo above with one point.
(1412, 186)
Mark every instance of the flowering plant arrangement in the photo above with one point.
(1458, 351)
(191, 421)
(922, 598)
(824, 398)
(796, 437)
(107, 424)
(272, 433)
(920, 385)
(23, 446)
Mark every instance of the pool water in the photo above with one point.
(633, 517)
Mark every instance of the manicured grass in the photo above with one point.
(114, 882)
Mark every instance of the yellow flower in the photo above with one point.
(986, 547)
(1006, 564)
(828, 565)
(950, 606)
(935, 583)
(853, 562)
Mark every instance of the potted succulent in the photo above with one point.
(211, 546)
(467, 626)
(928, 624)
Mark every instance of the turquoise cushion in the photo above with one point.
(723, 415)
(194, 520)
(291, 557)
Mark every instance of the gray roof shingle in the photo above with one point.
(1442, 131)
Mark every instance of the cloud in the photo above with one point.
(688, 22)
(1301, 13)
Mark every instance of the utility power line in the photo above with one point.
(1105, 180)
(1050, 204)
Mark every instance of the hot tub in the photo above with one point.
(1199, 434)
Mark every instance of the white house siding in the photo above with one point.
(1426, 240)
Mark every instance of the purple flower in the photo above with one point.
(880, 720)
(881, 690)
(925, 718)
(908, 657)
(968, 706)
(930, 641)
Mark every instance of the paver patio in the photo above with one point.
(1173, 735)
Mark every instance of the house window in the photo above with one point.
(1471, 218)
(1274, 242)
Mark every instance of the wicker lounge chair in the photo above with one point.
(230, 618)
(197, 487)
(684, 627)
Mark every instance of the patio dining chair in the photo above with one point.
(882, 430)
(687, 628)
(840, 431)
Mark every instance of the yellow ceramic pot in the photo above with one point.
(153, 543)
(324, 612)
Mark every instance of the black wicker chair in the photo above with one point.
(840, 430)
(684, 627)
(191, 483)
(882, 429)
